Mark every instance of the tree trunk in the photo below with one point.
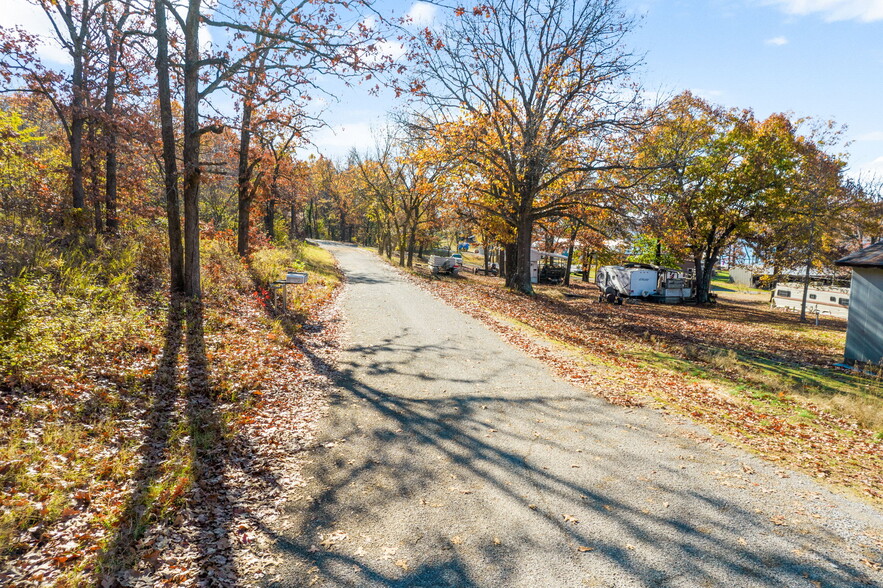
(77, 127)
(521, 281)
(94, 182)
(573, 235)
(243, 189)
(110, 137)
(292, 215)
(190, 151)
(270, 219)
(704, 273)
(812, 227)
(170, 165)
(805, 293)
(587, 267)
(412, 240)
(510, 257)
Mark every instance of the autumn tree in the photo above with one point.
(75, 26)
(296, 30)
(719, 173)
(527, 95)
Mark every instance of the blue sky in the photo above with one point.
(818, 58)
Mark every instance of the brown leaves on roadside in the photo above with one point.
(827, 447)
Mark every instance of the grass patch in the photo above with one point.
(320, 262)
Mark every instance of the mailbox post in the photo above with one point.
(280, 287)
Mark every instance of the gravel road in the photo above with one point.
(450, 458)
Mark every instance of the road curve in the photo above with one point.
(450, 458)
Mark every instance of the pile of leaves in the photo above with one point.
(162, 459)
(608, 351)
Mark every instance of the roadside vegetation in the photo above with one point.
(756, 376)
(117, 420)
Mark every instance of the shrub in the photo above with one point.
(224, 275)
(269, 265)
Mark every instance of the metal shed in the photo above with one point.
(864, 331)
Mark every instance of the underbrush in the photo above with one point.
(114, 399)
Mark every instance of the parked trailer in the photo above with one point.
(641, 280)
(445, 265)
(820, 299)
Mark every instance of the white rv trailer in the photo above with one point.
(642, 280)
(543, 260)
(824, 300)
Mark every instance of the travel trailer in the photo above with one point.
(643, 280)
(823, 300)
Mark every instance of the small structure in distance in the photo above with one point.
(864, 330)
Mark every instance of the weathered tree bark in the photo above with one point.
(94, 182)
(77, 128)
(270, 219)
(412, 240)
(704, 274)
(509, 262)
(573, 235)
(243, 187)
(109, 131)
(520, 279)
(311, 232)
(587, 267)
(812, 228)
(190, 151)
(170, 165)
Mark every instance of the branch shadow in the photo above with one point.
(400, 449)
(185, 401)
(119, 554)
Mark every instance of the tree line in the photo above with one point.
(524, 121)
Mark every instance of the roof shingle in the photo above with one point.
(870, 256)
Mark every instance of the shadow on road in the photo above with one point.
(411, 445)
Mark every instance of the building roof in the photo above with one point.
(871, 256)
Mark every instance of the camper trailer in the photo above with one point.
(643, 280)
(820, 299)
(547, 268)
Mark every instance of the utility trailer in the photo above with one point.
(643, 280)
(445, 265)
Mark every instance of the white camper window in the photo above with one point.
(784, 293)
(812, 296)
(844, 301)
(833, 299)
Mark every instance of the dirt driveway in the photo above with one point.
(450, 458)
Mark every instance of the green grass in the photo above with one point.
(319, 261)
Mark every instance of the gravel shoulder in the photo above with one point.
(450, 458)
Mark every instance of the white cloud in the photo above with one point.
(422, 14)
(832, 10)
(336, 142)
(777, 41)
(872, 168)
(710, 95)
(20, 13)
(872, 136)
